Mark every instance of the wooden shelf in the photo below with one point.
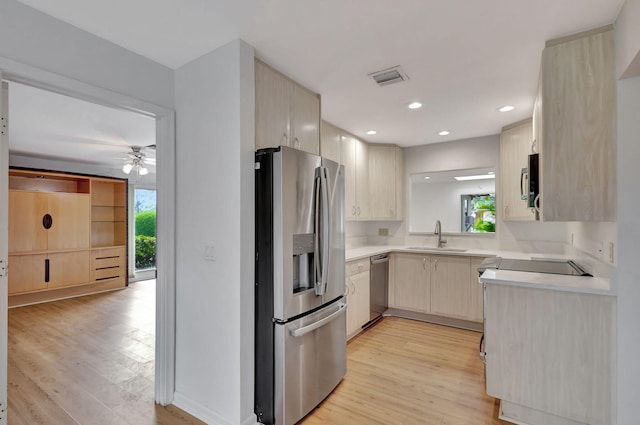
(39, 181)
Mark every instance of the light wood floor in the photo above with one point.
(404, 372)
(87, 361)
(90, 360)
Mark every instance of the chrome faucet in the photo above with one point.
(438, 232)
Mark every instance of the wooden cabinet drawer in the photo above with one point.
(358, 266)
(108, 263)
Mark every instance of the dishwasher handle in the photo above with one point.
(380, 259)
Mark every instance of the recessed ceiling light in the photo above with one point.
(444, 133)
(507, 108)
(427, 177)
(491, 172)
(371, 132)
(415, 105)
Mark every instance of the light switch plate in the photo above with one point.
(383, 231)
(209, 252)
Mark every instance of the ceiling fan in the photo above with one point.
(136, 160)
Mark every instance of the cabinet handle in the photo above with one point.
(358, 210)
(391, 210)
(506, 211)
(47, 221)
(286, 140)
(435, 264)
(424, 263)
(296, 143)
(46, 270)
(534, 146)
(536, 203)
(353, 210)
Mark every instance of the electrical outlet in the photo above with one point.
(383, 231)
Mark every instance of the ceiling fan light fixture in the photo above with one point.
(126, 168)
(143, 171)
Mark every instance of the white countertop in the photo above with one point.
(583, 284)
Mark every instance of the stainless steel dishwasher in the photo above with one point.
(379, 287)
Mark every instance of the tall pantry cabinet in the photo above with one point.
(67, 235)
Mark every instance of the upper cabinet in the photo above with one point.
(386, 186)
(355, 158)
(374, 175)
(287, 114)
(574, 128)
(516, 143)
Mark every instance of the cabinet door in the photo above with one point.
(382, 182)
(272, 108)
(362, 180)
(305, 119)
(69, 268)
(331, 142)
(358, 302)
(515, 147)
(26, 232)
(476, 298)
(27, 273)
(412, 285)
(71, 214)
(349, 161)
(450, 286)
(578, 146)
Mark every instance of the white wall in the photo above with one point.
(215, 131)
(33, 38)
(627, 275)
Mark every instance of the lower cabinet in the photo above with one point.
(436, 284)
(550, 355)
(30, 273)
(357, 290)
(412, 283)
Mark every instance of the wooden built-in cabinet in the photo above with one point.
(355, 156)
(437, 285)
(386, 182)
(58, 224)
(374, 175)
(516, 143)
(550, 355)
(358, 295)
(286, 114)
(574, 125)
(412, 282)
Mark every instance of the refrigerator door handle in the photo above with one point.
(321, 234)
(326, 228)
(320, 323)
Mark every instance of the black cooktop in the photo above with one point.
(552, 266)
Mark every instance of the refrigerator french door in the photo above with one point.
(300, 328)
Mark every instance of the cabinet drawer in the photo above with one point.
(108, 263)
(358, 266)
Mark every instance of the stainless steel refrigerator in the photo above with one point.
(300, 320)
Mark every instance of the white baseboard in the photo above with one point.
(205, 414)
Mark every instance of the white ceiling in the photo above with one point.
(465, 58)
(52, 126)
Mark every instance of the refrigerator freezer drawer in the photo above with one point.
(310, 361)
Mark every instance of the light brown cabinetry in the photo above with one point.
(386, 188)
(516, 143)
(455, 291)
(550, 355)
(575, 128)
(331, 142)
(355, 156)
(286, 114)
(358, 295)
(55, 222)
(412, 282)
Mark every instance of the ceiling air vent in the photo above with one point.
(389, 76)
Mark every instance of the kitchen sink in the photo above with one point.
(429, 248)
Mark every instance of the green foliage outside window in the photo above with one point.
(145, 252)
